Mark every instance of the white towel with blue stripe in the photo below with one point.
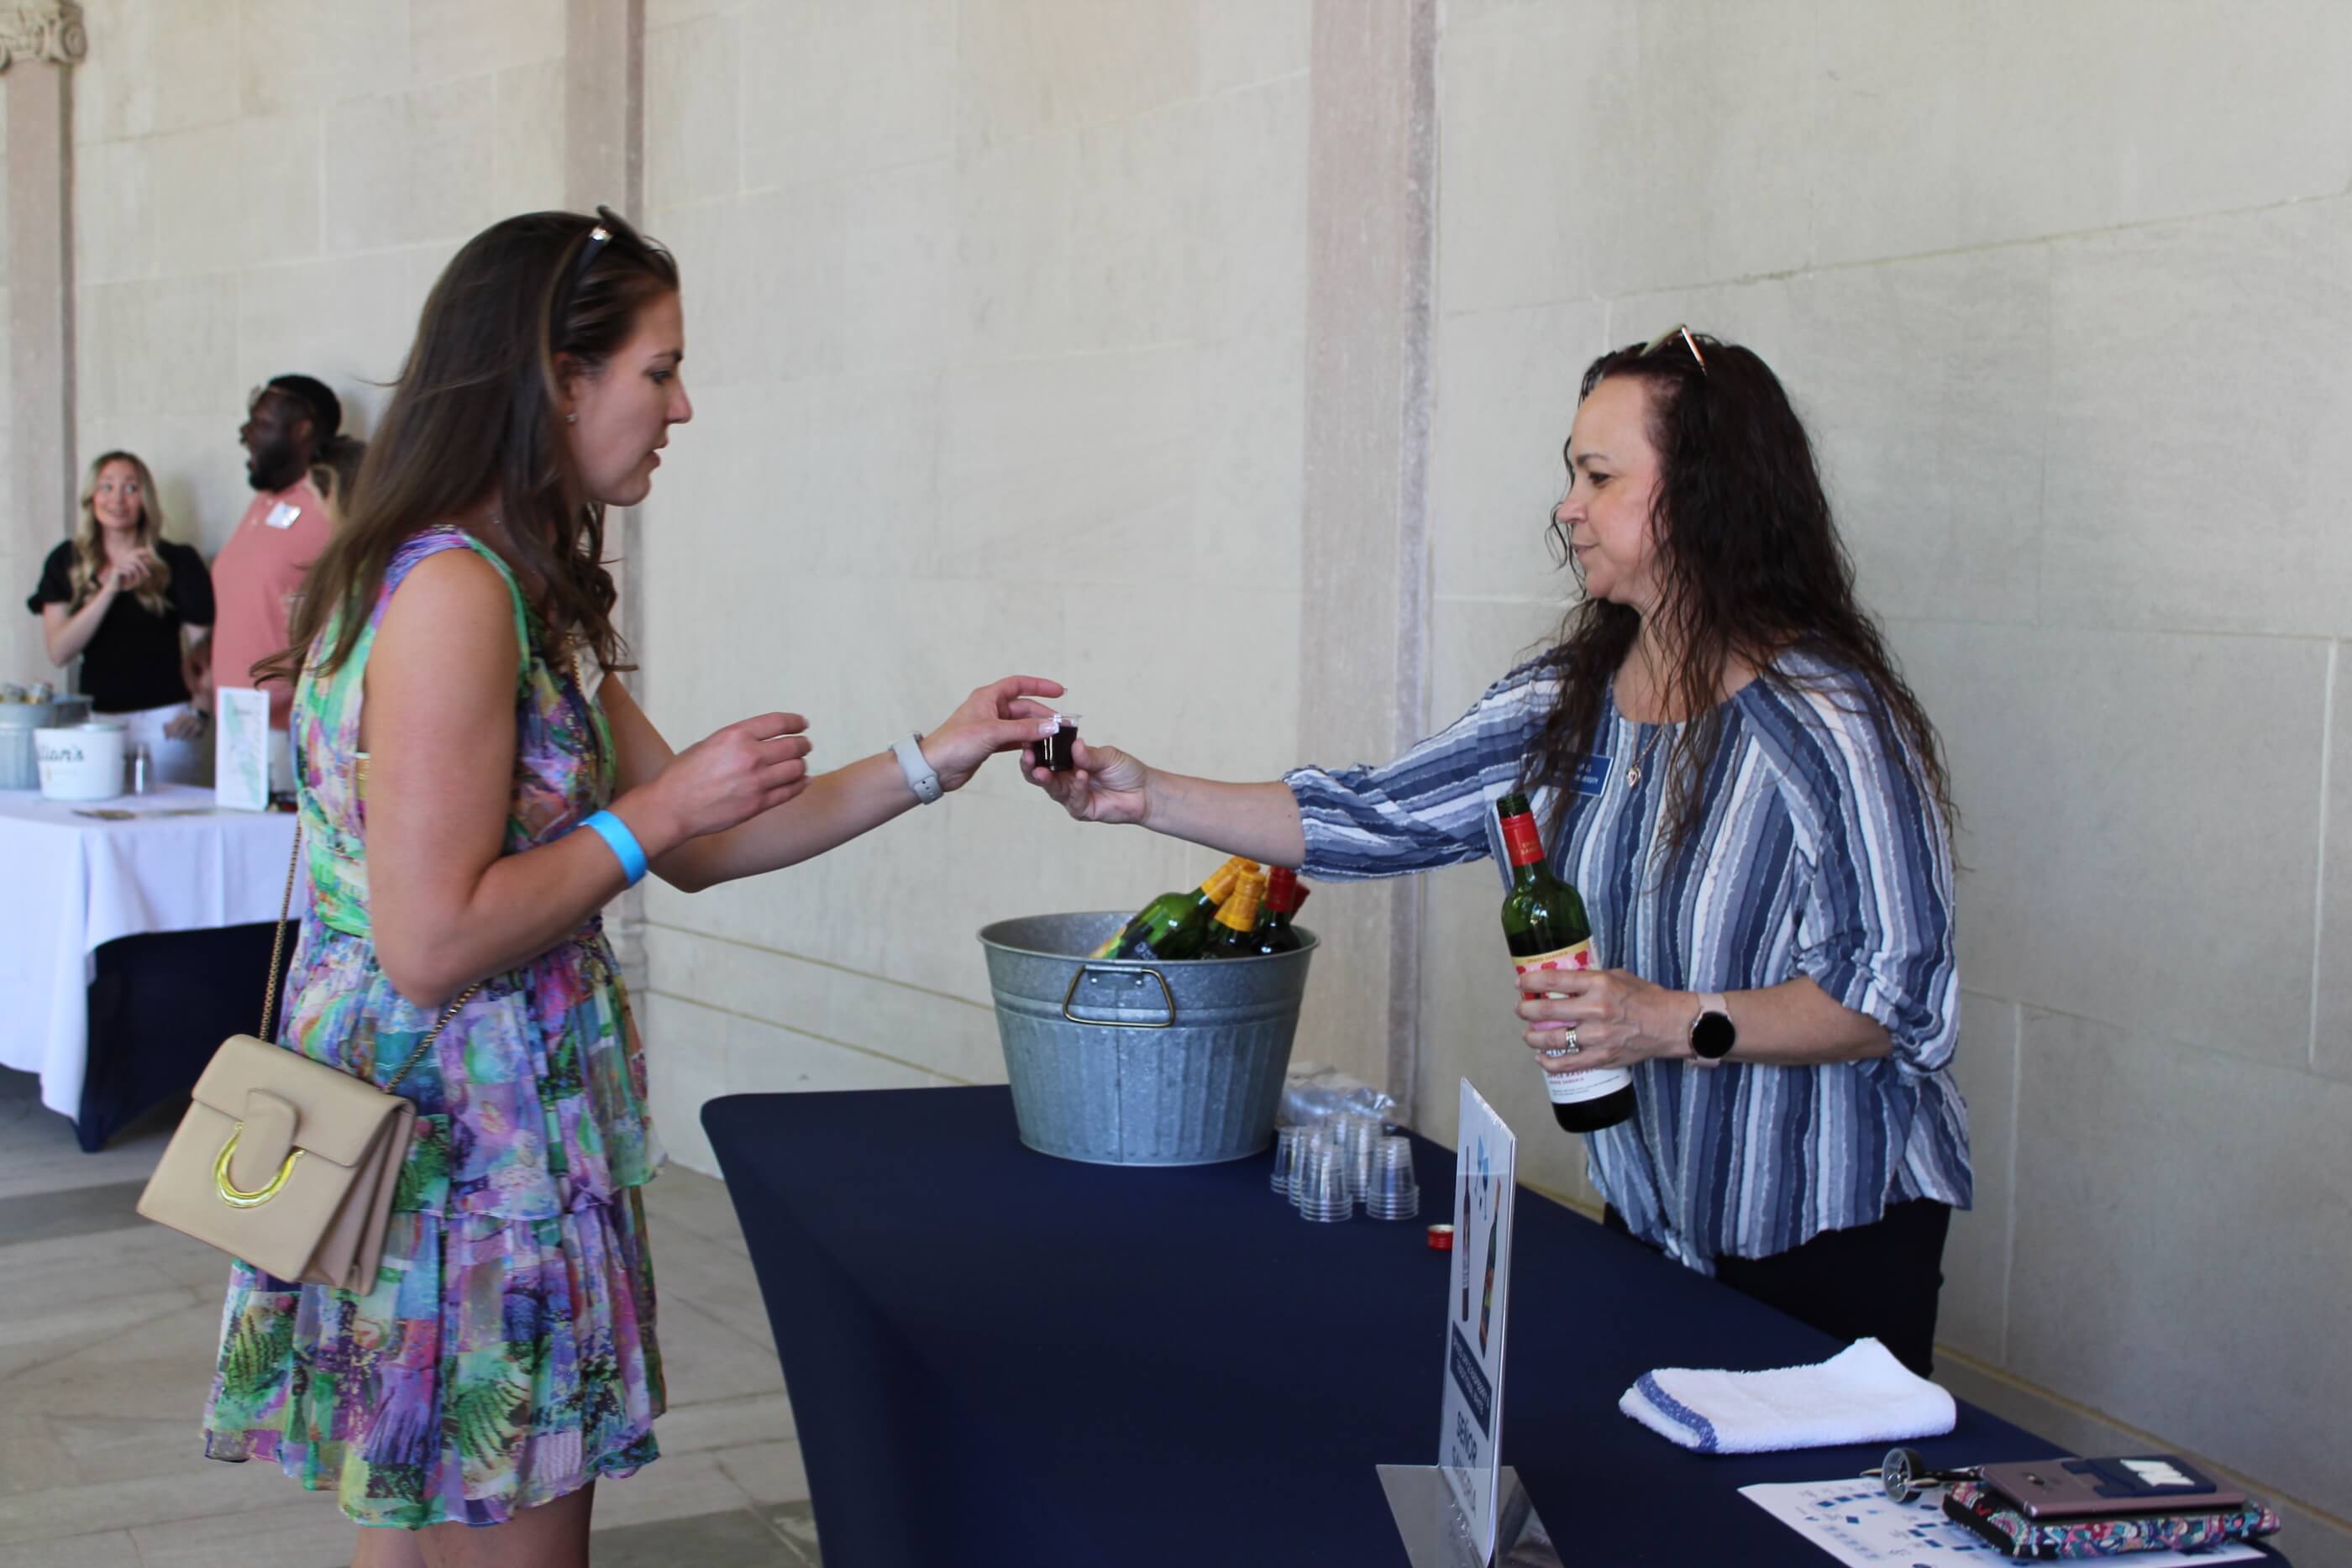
(1861, 1395)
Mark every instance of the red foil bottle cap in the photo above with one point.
(1441, 1239)
(1521, 842)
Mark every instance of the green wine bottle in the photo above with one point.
(1284, 894)
(1544, 922)
(1172, 942)
(1234, 935)
(1163, 914)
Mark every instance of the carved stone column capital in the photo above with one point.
(50, 30)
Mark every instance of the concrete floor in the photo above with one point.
(109, 1326)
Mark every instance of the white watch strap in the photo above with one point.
(919, 776)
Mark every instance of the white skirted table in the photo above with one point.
(80, 877)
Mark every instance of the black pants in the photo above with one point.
(1878, 1280)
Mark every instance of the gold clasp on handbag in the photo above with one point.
(229, 1194)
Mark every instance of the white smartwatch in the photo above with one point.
(920, 778)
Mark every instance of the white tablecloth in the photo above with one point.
(72, 883)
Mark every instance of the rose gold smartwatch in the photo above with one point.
(1712, 1035)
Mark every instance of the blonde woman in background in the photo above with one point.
(119, 597)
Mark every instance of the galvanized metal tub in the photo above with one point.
(19, 767)
(1127, 1062)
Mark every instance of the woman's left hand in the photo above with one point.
(1000, 716)
(1620, 1018)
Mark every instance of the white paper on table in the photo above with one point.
(1857, 1523)
(241, 748)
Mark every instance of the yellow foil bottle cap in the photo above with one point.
(1240, 911)
(1220, 885)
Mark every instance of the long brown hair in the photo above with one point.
(474, 414)
(89, 547)
(1752, 569)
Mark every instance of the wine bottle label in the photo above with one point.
(1570, 1088)
(1573, 1088)
(1577, 956)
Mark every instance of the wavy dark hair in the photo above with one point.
(1752, 568)
(474, 414)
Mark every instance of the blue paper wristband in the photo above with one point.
(615, 832)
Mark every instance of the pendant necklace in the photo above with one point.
(1634, 769)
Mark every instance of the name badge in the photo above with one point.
(282, 516)
(1594, 778)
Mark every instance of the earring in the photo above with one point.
(570, 419)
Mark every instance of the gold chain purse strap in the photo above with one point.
(277, 949)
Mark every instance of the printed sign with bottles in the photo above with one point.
(1478, 1312)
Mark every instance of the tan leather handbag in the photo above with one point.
(284, 1162)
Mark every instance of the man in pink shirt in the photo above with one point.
(262, 568)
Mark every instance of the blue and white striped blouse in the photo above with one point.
(1820, 854)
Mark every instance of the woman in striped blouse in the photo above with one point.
(1755, 810)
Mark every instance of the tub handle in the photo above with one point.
(1166, 996)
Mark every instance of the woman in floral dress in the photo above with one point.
(457, 724)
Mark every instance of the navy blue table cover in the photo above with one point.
(999, 1357)
(160, 1005)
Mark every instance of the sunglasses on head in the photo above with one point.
(1668, 336)
(608, 224)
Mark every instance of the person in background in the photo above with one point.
(333, 473)
(290, 424)
(1755, 810)
(120, 597)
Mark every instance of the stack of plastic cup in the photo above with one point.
(1362, 1133)
(1301, 1155)
(1393, 1191)
(1323, 1183)
(1287, 1142)
(1312, 1142)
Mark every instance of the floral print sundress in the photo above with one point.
(506, 1356)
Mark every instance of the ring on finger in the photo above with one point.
(1566, 1046)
